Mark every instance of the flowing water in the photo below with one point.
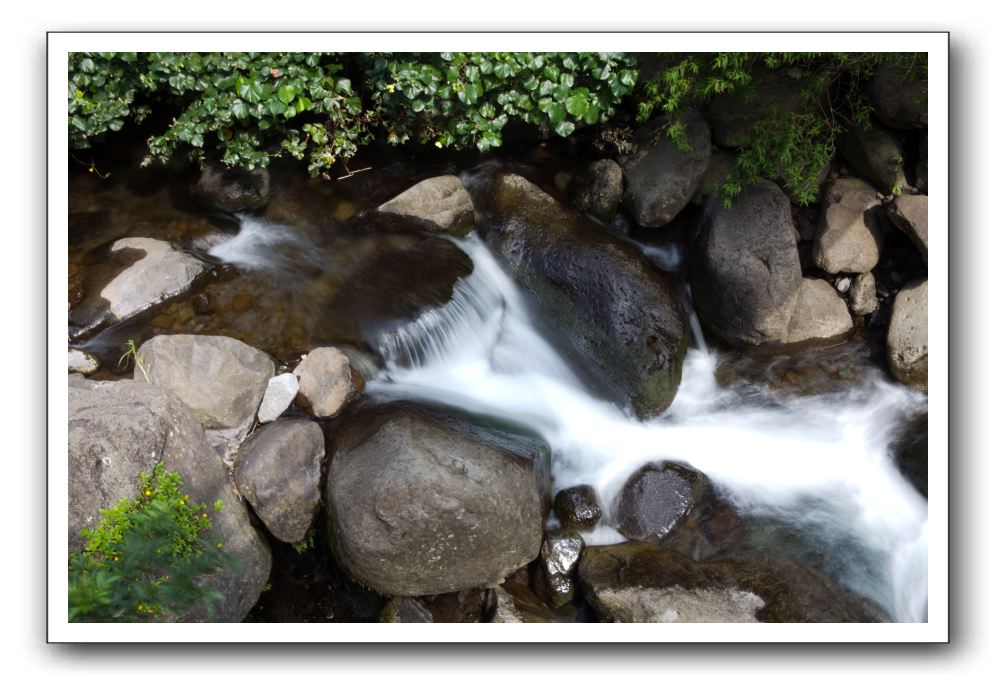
(820, 463)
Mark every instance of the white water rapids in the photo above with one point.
(819, 463)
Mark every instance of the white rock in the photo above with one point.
(81, 362)
(161, 274)
(280, 391)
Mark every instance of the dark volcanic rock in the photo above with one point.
(577, 508)
(656, 499)
(599, 188)
(425, 502)
(613, 307)
(644, 583)
(228, 189)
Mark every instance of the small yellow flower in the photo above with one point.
(218, 544)
(148, 493)
(90, 169)
(390, 88)
(439, 144)
(115, 557)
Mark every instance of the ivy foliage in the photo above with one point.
(146, 557)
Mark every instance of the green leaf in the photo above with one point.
(251, 92)
(286, 93)
(577, 104)
(239, 109)
(556, 113)
(277, 107)
(565, 128)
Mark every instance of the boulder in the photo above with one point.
(898, 96)
(278, 470)
(577, 508)
(560, 554)
(83, 363)
(162, 273)
(721, 164)
(644, 583)
(232, 189)
(909, 449)
(655, 499)
(848, 238)
(221, 380)
(731, 115)
(909, 214)
(279, 394)
(118, 430)
(861, 296)
(424, 501)
(745, 269)
(620, 316)
(441, 204)
(599, 189)
(325, 381)
(660, 178)
(876, 155)
(907, 336)
(819, 314)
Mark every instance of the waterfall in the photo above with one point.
(820, 462)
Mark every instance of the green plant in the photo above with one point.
(148, 558)
(306, 544)
(132, 353)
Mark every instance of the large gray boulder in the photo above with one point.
(118, 430)
(907, 336)
(221, 380)
(232, 189)
(909, 214)
(161, 274)
(424, 502)
(745, 269)
(278, 470)
(898, 96)
(644, 583)
(660, 178)
(441, 204)
(848, 238)
(611, 306)
(876, 155)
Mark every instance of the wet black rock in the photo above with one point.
(599, 188)
(559, 555)
(645, 583)
(425, 501)
(231, 190)
(619, 315)
(910, 452)
(898, 96)
(656, 499)
(577, 508)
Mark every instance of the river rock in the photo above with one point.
(279, 394)
(425, 502)
(232, 189)
(278, 470)
(83, 363)
(819, 314)
(221, 380)
(861, 296)
(615, 311)
(745, 269)
(118, 430)
(560, 554)
(731, 115)
(656, 498)
(161, 274)
(910, 452)
(405, 610)
(909, 214)
(876, 155)
(577, 508)
(441, 204)
(907, 336)
(325, 381)
(848, 238)
(599, 189)
(660, 178)
(899, 97)
(644, 583)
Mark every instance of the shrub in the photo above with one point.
(147, 558)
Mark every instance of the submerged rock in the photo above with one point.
(656, 498)
(221, 380)
(278, 470)
(426, 502)
(442, 204)
(848, 238)
(118, 430)
(610, 304)
(599, 189)
(161, 274)
(325, 381)
(644, 583)
(660, 178)
(745, 270)
(232, 189)
(907, 336)
(577, 508)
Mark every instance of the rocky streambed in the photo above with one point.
(478, 390)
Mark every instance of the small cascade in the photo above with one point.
(263, 246)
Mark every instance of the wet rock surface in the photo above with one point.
(227, 189)
(656, 498)
(910, 451)
(577, 508)
(118, 430)
(599, 188)
(425, 502)
(611, 306)
(560, 554)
